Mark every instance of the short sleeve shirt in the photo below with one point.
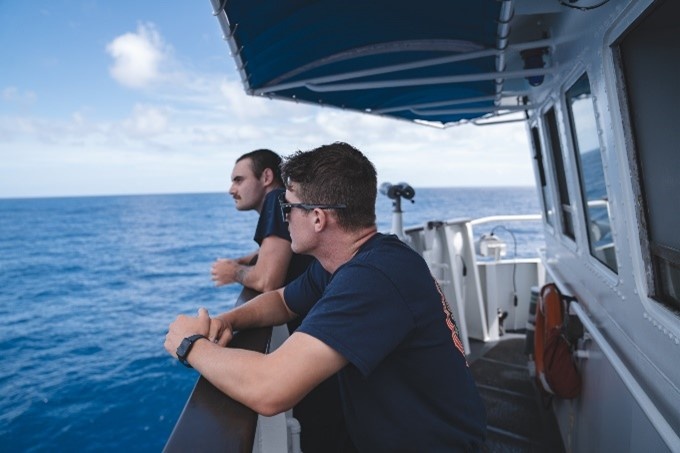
(271, 223)
(407, 386)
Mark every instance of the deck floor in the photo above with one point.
(517, 419)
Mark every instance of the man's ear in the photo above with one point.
(320, 219)
(267, 177)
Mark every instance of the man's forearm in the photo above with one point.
(258, 277)
(269, 272)
(246, 376)
(268, 309)
(241, 272)
(268, 383)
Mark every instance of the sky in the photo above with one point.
(137, 97)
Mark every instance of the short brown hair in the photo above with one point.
(336, 174)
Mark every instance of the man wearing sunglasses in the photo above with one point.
(257, 185)
(372, 311)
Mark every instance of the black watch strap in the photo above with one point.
(184, 348)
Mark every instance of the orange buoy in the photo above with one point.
(548, 317)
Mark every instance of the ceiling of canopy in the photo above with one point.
(439, 62)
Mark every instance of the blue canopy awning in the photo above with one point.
(437, 61)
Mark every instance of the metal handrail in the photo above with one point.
(506, 218)
(657, 420)
(212, 421)
(483, 220)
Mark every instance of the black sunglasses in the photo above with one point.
(286, 207)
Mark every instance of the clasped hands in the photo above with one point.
(216, 330)
(223, 271)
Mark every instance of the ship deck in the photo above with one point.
(518, 419)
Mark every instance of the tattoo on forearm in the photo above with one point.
(241, 273)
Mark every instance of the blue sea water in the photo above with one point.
(89, 285)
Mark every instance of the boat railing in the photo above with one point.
(414, 231)
(506, 218)
(477, 294)
(212, 421)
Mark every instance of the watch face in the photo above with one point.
(182, 349)
(185, 347)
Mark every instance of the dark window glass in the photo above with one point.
(591, 174)
(650, 61)
(566, 210)
(548, 208)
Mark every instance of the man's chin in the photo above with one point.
(242, 207)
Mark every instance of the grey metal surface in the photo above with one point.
(517, 417)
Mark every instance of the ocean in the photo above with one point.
(88, 286)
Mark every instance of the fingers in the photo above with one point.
(215, 330)
(220, 332)
(184, 326)
(174, 335)
(169, 346)
(204, 320)
(225, 338)
(217, 270)
(225, 335)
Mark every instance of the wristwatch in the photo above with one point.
(185, 347)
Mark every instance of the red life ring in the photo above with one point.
(548, 317)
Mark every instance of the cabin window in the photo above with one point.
(566, 210)
(650, 64)
(548, 209)
(589, 160)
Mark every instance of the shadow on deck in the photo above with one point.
(517, 420)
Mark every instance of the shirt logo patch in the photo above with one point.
(451, 323)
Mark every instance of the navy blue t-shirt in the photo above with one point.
(407, 386)
(271, 223)
(319, 413)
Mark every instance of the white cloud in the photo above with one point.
(186, 131)
(9, 93)
(146, 121)
(12, 94)
(239, 104)
(137, 56)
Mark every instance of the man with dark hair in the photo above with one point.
(372, 311)
(256, 185)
